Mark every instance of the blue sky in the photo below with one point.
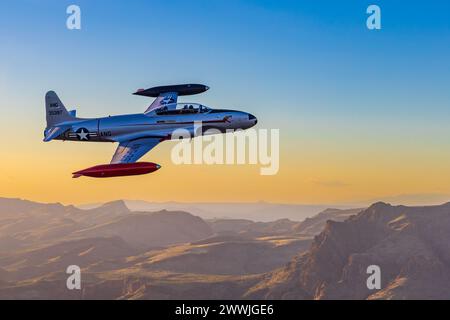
(310, 68)
(298, 56)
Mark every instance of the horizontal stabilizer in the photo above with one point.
(54, 132)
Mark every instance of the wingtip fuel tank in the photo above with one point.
(117, 170)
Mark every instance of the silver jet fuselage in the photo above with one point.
(133, 126)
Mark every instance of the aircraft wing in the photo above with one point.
(169, 94)
(132, 150)
(161, 100)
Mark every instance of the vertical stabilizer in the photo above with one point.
(55, 110)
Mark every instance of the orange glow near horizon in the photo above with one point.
(321, 174)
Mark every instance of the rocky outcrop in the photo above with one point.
(411, 245)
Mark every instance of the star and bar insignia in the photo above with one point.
(82, 134)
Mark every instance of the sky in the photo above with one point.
(363, 114)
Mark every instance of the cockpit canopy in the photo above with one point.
(181, 108)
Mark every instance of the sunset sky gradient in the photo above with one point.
(362, 114)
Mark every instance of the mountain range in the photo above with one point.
(173, 254)
(256, 211)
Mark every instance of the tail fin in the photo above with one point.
(55, 110)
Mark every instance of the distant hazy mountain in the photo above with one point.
(411, 245)
(251, 228)
(25, 225)
(103, 213)
(414, 199)
(145, 230)
(316, 224)
(258, 211)
(11, 208)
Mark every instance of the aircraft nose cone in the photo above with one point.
(252, 118)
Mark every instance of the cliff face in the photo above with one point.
(411, 245)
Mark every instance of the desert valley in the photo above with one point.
(174, 254)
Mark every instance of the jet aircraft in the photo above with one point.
(137, 134)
